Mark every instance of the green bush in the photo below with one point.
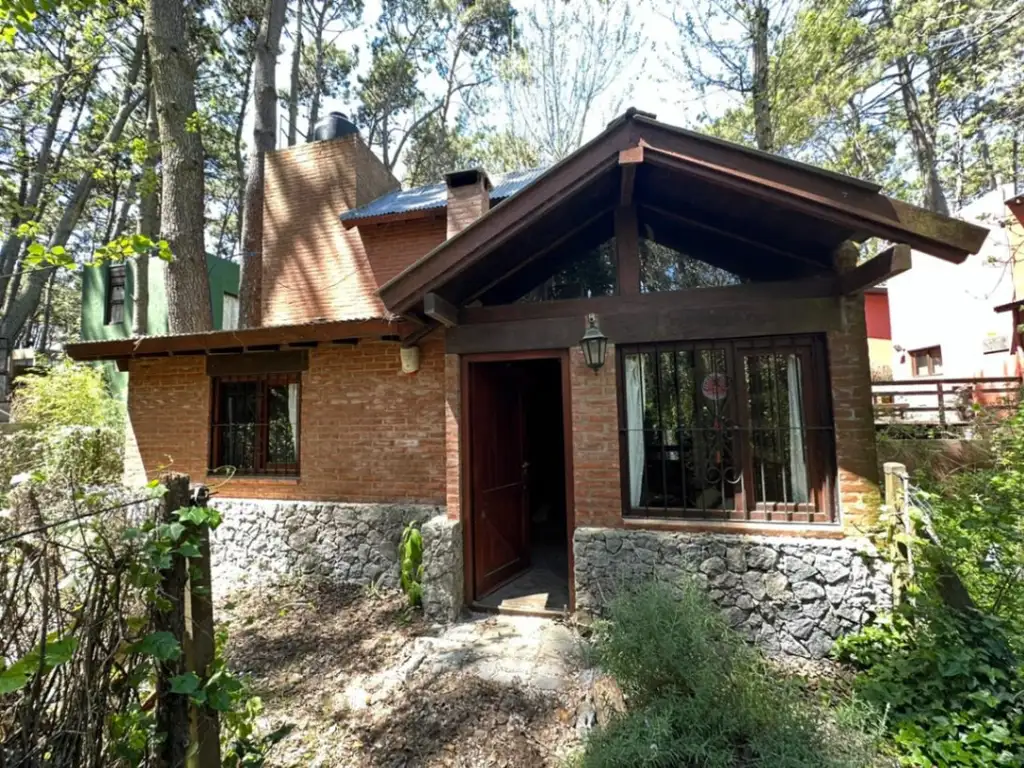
(699, 696)
(950, 681)
(978, 518)
(69, 429)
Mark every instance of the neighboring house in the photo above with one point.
(108, 303)
(422, 360)
(879, 330)
(944, 319)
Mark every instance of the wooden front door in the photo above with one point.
(498, 467)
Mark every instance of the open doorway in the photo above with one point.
(519, 538)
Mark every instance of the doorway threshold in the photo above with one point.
(540, 590)
(506, 610)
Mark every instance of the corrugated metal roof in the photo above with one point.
(436, 196)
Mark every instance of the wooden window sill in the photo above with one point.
(804, 530)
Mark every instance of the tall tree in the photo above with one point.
(264, 140)
(181, 210)
(326, 67)
(571, 55)
(149, 216)
(296, 71)
(428, 58)
(732, 47)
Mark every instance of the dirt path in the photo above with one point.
(365, 682)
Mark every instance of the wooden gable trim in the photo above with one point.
(506, 219)
(940, 236)
(850, 203)
(388, 218)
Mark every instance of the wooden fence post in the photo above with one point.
(205, 721)
(172, 716)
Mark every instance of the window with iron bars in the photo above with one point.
(255, 424)
(727, 430)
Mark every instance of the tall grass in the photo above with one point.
(699, 696)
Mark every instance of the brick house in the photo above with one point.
(420, 359)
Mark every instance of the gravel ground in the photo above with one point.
(357, 675)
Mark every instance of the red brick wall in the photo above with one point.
(466, 204)
(368, 432)
(597, 486)
(850, 372)
(312, 266)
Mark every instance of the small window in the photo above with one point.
(229, 316)
(114, 309)
(730, 430)
(926, 362)
(590, 275)
(663, 268)
(255, 427)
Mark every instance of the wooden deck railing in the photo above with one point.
(943, 402)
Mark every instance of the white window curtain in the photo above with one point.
(293, 415)
(797, 459)
(635, 425)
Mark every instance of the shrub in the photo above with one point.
(699, 696)
(410, 558)
(71, 429)
(954, 694)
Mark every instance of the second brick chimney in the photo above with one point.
(468, 198)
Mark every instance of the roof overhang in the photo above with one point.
(267, 339)
(769, 199)
(1011, 306)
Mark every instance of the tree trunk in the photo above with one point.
(924, 149)
(149, 219)
(182, 214)
(12, 245)
(293, 92)
(24, 304)
(318, 65)
(243, 108)
(760, 89)
(44, 335)
(264, 140)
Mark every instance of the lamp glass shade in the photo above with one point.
(594, 345)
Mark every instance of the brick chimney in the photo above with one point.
(468, 198)
(313, 269)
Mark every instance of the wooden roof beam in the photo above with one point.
(889, 263)
(440, 309)
(629, 160)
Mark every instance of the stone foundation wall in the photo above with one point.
(791, 596)
(442, 569)
(261, 541)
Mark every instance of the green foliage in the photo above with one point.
(71, 433)
(410, 557)
(954, 693)
(68, 394)
(977, 516)
(699, 696)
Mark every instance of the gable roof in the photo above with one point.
(724, 195)
(434, 196)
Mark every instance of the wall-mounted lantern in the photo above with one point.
(594, 345)
(410, 359)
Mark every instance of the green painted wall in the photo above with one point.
(224, 278)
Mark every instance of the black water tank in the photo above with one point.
(334, 126)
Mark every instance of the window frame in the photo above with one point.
(108, 299)
(929, 353)
(262, 467)
(821, 507)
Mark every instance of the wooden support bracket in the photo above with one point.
(889, 263)
(440, 309)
